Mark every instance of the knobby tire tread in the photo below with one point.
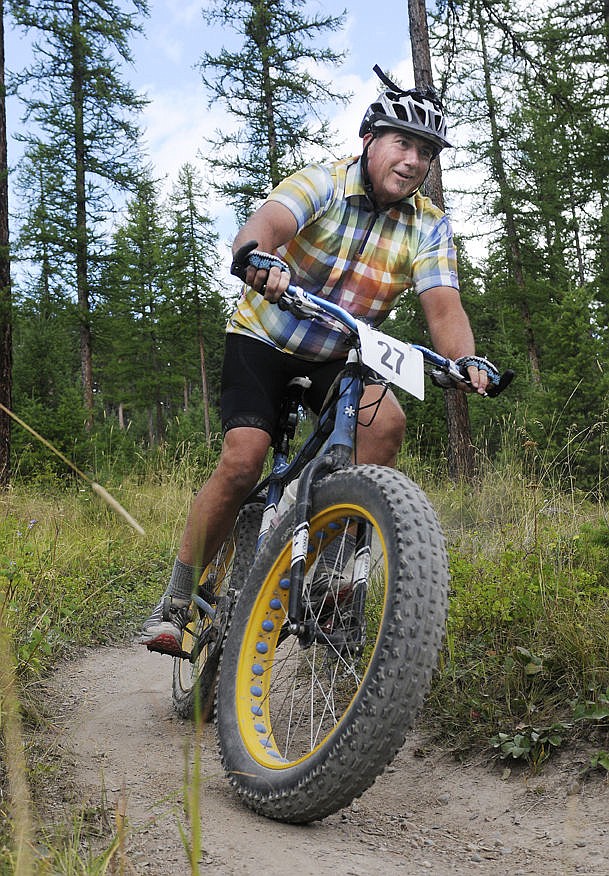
(399, 677)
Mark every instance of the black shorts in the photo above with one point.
(254, 377)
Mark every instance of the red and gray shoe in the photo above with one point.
(162, 631)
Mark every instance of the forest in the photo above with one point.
(113, 325)
(113, 304)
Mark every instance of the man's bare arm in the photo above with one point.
(450, 330)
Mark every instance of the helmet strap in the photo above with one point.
(368, 188)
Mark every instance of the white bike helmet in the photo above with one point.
(417, 110)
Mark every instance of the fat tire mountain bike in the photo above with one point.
(315, 631)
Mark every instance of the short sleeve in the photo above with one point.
(306, 193)
(435, 263)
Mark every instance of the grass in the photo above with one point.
(524, 670)
(73, 574)
(527, 651)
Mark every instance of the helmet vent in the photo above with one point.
(418, 110)
(421, 114)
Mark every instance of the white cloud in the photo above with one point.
(183, 11)
(171, 48)
(175, 123)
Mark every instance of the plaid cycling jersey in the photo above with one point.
(347, 253)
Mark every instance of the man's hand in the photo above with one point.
(478, 380)
(264, 272)
(481, 373)
(270, 227)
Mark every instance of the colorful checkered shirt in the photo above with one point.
(346, 253)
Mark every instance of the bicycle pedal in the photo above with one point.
(160, 650)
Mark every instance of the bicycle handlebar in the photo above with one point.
(304, 305)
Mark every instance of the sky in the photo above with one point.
(178, 118)
(176, 37)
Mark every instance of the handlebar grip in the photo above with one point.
(504, 381)
(241, 261)
(444, 380)
(249, 256)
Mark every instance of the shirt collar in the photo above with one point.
(354, 187)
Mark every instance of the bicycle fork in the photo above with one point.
(338, 455)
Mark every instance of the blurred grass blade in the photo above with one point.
(10, 722)
(104, 494)
(116, 506)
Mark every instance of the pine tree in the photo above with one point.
(79, 116)
(271, 97)
(200, 310)
(46, 215)
(533, 89)
(6, 349)
(135, 355)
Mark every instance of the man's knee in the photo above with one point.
(389, 429)
(381, 429)
(242, 459)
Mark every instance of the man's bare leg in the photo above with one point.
(216, 505)
(210, 520)
(379, 442)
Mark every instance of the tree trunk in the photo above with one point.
(81, 215)
(204, 388)
(460, 449)
(6, 348)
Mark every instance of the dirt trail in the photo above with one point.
(426, 814)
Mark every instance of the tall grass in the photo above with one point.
(16, 770)
(74, 574)
(527, 647)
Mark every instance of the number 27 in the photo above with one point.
(386, 357)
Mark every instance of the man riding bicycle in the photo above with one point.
(358, 232)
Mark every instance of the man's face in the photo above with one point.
(397, 164)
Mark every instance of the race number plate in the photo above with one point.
(394, 360)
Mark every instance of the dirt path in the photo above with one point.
(426, 814)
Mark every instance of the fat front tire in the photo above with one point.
(194, 680)
(306, 723)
